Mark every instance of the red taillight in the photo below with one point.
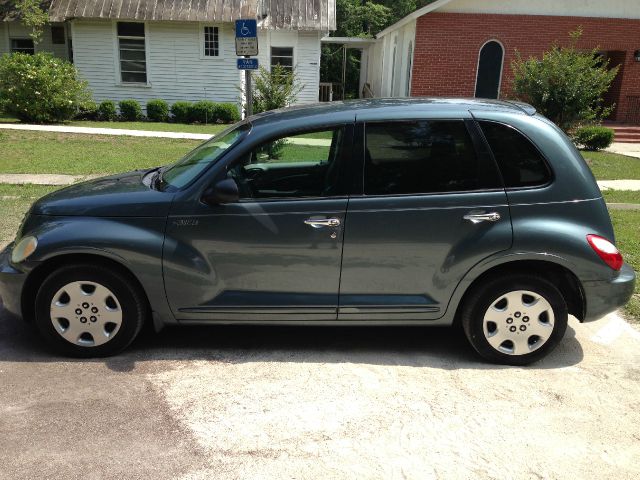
(606, 250)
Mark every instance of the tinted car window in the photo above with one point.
(424, 157)
(519, 160)
(303, 165)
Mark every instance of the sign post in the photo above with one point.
(247, 46)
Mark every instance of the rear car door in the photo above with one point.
(432, 205)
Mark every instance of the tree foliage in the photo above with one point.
(567, 84)
(33, 16)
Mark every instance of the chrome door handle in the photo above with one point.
(322, 222)
(482, 217)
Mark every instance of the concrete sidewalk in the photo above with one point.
(104, 131)
(628, 149)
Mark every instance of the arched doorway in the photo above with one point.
(489, 73)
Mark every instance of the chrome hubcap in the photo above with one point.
(86, 313)
(518, 322)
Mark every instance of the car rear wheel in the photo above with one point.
(515, 320)
(89, 310)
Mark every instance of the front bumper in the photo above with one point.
(11, 283)
(604, 297)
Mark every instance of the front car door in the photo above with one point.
(432, 205)
(274, 255)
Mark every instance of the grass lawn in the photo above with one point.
(15, 200)
(152, 126)
(612, 166)
(621, 196)
(48, 152)
(625, 224)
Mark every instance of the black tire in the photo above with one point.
(485, 295)
(132, 301)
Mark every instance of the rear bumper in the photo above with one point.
(11, 283)
(604, 297)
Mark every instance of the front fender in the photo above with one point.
(134, 243)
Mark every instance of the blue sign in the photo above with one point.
(247, 63)
(246, 28)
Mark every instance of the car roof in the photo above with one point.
(392, 106)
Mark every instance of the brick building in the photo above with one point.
(465, 47)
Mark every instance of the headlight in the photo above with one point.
(23, 249)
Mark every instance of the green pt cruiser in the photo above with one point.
(377, 212)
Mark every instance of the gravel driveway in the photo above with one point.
(320, 403)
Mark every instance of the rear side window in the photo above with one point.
(426, 156)
(519, 160)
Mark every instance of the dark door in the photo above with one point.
(275, 255)
(489, 70)
(433, 206)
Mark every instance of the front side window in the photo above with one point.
(22, 45)
(425, 156)
(132, 50)
(296, 166)
(282, 56)
(191, 165)
(211, 42)
(519, 160)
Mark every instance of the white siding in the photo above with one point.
(175, 69)
(577, 8)
(381, 65)
(306, 57)
(10, 30)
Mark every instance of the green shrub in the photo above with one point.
(273, 89)
(180, 112)
(107, 111)
(130, 111)
(158, 110)
(227, 113)
(87, 111)
(40, 88)
(594, 137)
(567, 84)
(204, 111)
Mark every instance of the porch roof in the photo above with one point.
(277, 14)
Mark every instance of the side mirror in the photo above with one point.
(225, 191)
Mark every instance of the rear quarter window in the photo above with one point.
(521, 163)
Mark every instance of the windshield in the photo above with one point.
(193, 163)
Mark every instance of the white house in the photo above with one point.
(174, 49)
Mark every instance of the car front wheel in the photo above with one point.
(515, 320)
(89, 310)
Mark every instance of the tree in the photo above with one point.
(33, 16)
(566, 85)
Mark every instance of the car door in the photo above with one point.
(432, 205)
(275, 254)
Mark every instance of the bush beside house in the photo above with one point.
(40, 88)
(158, 110)
(594, 138)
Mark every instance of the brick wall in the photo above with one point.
(447, 47)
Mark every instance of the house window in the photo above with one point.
(211, 42)
(131, 46)
(22, 45)
(282, 56)
(57, 35)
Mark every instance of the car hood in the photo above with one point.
(121, 195)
